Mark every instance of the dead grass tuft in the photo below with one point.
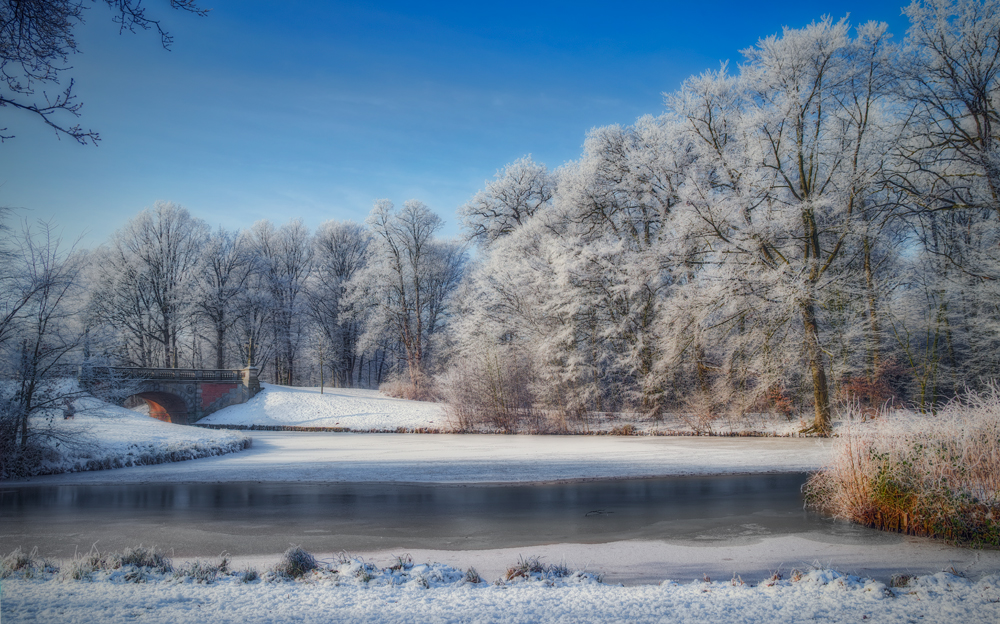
(295, 563)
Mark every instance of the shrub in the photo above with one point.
(624, 430)
(937, 476)
(900, 580)
(414, 386)
(21, 457)
(701, 410)
(403, 562)
(82, 566)
(491, 388)
(876, 392)
(295, 563)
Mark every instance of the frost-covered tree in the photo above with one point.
(784, 163)
(517, 192)
(340, 251)
(948, 326)
(40, 330)
(951, 79)
(411, 274)
(120, 309)
(225, 269)
(285, 262)
(577, 284)
(147, 279)
(252, 335)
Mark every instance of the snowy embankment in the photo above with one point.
(103, 436)
(351, 590)
(369, 411)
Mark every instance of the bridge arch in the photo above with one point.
(165, 406)
(177, 395)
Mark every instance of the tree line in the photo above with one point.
(348, 304)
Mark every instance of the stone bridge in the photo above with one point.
(181, 395)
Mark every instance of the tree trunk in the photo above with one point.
(874, 337)
(220, 335)
(165, 334)
(821, 392)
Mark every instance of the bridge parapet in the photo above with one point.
(183, 374)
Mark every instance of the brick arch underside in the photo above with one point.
(166, 407)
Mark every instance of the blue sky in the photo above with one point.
(277, 110)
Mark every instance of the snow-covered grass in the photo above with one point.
(351, 589)
(103, 436)
(936, 476)
(369, 411)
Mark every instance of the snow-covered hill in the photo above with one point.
(346, 408)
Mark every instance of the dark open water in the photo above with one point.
(261, 518)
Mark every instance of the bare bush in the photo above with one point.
(700, 412)
(880, 390)
(472, 576)
(413, 386)
(923, 475)
(491, 389)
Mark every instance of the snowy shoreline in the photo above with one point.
(431, 431)
(358, 410)
(357, 591)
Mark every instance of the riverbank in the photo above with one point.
(100, 437)
(358, 410)
(355, 591)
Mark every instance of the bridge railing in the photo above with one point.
(176, 374)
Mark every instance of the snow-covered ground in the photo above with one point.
(103, 436)
(353, 409)
(353, 592)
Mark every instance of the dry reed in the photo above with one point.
(933, 475)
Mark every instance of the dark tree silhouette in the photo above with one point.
(36, 42)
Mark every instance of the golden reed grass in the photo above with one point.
(934, 475)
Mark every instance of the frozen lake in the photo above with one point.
(467, 458)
